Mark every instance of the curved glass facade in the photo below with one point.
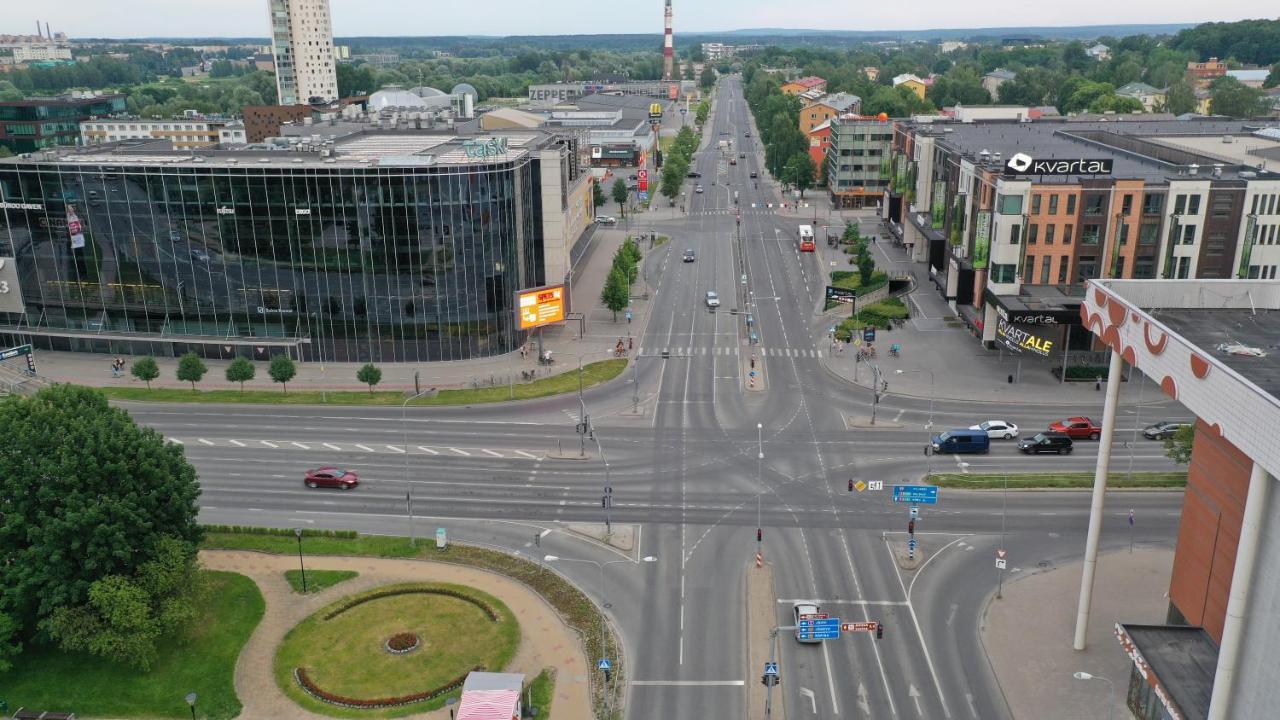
(403, 264)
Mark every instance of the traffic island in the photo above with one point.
(863, 422)
(622, 537)
(902, 554)
(762, 617)
(753, 375)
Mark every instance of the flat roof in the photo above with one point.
(1183, 660)
(1236, 150)
(1225, 334)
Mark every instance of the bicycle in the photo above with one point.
(895, 350)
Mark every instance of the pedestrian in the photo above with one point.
(631, 343)
(115, 369)
(1097, 384)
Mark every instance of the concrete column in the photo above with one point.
(1255, 508)
(1099, 494)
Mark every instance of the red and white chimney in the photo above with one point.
(668, 48)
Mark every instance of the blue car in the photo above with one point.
(961, 441)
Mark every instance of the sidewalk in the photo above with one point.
(602, 332)
(1027, 635)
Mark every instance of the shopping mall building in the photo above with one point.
(379, 246)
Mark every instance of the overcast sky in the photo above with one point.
(248, 18)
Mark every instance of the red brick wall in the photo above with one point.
(1210, 530)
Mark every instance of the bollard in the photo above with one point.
(1011, 379)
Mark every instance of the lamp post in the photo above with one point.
(1111, 692)
(297, 532)
(408, 493)
(759, 488)
(191, 701)
(931, 386)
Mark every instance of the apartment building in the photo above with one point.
(184, 132)
(826, 107)
(857, 154)
(1014, 218)
(804, 85)
(302, 42)
(35, 123)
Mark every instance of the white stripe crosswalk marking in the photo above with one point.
(205, 442)
(365, 448)
(237, 443)
(528, 455)
(490, 452)
(269, 444)
(394, 448)
(176, 441)
(299, 445)
(331, 446)
(460, 451)
(428, 450)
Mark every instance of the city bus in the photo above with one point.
(806, 239)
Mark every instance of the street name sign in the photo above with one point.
(925, 494)
(859, 626)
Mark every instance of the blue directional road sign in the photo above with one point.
(644, 194)
(818, 629)
(604, 664)
(926, 494)
(911, 544)
(771, 668)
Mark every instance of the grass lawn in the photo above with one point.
(592, 374)
(1023, 481)
(542, 690)
(317, 580)
(577, 610)
(203, 661)
(344, 655)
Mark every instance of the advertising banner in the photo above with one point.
(982, 240)
(1018, 340)
(74, 229)
(1250, 236)
(10, 293)
(841, 295)
(540, 306)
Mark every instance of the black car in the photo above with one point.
(694, 174)
(1046, 442)
(753, 174)
(747, 134)
(690, 256)
(1163, 430)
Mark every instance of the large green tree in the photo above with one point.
(616, 293)
(708, 78)
(85, 493)
(1229, 96)
(597, 195)
(800, 172)
(620, 195)
(1180, 99)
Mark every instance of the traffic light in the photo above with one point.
(850, 484)
(759, 535)
(911, 526)
(770, 680)
(879, 631)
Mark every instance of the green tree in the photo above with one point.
(191, 369)
(1273, 77)
(370, 375)
(616, 294)
(1115, 103)
(5, 152)
(86, 493)
(125, 618)
(145, 369)
(851, 234)
(702, 112)
(1228, 96)
(597, 195)
(866, 265)
(800, 172)
(1180, 99)
(961, 86)
(282, 369)
(9, 92)
(708, 78)
(620, 195)
(673, 173)
(241, 370)
(1178, 447)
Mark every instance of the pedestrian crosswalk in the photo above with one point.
(733, 211)
(697, 351)
(367, 448)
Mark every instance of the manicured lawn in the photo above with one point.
(592, 374)
(1023, 481)
(203, 661)
(318, 580)
(542, 690)
(344, 655)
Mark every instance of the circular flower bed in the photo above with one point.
(401, 643)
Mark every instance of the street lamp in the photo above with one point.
(191, 701)
(408, 493)
(759, 488)
(931, 386)
(1111, 692)
(297, 532)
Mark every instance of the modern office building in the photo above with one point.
(857, 156)
(1014, 217)
(39, 122)
(302, 42)
(185, 132)
(374, 246)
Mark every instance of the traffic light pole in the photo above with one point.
(773, 658)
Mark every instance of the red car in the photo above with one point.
(331, 477)
(1077, 428)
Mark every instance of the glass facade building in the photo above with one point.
(348, 260)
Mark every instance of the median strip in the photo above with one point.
(1056, 481)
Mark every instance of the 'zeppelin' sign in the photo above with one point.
(1024, 164)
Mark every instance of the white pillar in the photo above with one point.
(1255, 507)
(1099, 494)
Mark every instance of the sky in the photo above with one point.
(248, 18)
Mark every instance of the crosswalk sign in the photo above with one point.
(604, 664)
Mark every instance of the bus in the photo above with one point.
(806, 239)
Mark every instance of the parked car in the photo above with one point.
(1077, 428)
(1164, 429)
(694, 174)
(997, 429)
(753, 174)
(689, 255)
(961, 441)
(747, 134)
(1046, 442)
(606, 220)
(799, 609)
(713, 300)
(698, 189)
(331, 477)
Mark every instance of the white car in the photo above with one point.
(713, 300)
(606, 220)
(802, 608)
(698, 189)
(997, 429)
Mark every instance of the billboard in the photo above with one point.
(1024, 164)
(540, 306)
(982, 240)
(10, 293)
(1017, 339)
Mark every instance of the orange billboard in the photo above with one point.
(540, 306)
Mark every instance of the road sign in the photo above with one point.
(911, 544)
(859, 626)
(860, 486)
(1001, 563)
(771, 668)
(642, 174)
(604, 664)
(915, 512)
(818, 626)
(644, 195)
(442, 539)
(926, 494)
(1002, 554)
(875, 484)
(869, 333)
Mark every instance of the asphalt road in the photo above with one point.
(685, 472)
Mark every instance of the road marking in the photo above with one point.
(395, 449)
(428, 450)
(331, 446)
(269, 443)
(206, 442)
(528, 455)
(176, 441)
(365, 448)
(299, 445)
(689, 683)
(863, 704)
(806, 692)
(460, 452)
(237, 443)
(914, 694)
(826, 657)
(792, 601)
(487, 450)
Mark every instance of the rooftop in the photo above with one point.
(1182, 659)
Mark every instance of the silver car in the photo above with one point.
(713, 300)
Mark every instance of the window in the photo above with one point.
(1144, 268)
(1148, 233)
(1067, 232)
(1093, 204)
(1184, 268)
(1180, 205)
(1089, 234)
(1063, 263)
(1030, 270)
(1152, 203)
(1053, 204)
(1086, 268)
(1002, 273)
(1033, 234)
(1188, 234)
(1045, 268)
(1126, 204)
(1049, 230)
(1035, 204)
(1071, 204)
(1015, 234)
(1009, 204)
(1193, 205)
(1124, 233)
(1222, 205)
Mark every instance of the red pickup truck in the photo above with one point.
(1077, 428)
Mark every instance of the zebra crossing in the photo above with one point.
(702, 351)
(732, 211)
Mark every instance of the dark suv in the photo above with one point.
(1046, 442)
(1163, 430)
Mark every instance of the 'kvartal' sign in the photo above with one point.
(1017, 339)
(1024, 164)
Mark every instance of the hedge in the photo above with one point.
(306, 532)
(392, 592)
(300, 674)
(879, 314)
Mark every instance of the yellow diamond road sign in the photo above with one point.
(860, 486)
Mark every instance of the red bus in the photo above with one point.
(806, 239)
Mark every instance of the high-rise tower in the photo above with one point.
(668, 49)
(302, 42)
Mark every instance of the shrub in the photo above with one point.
(394, 591)
(315, 691)
(306, 532)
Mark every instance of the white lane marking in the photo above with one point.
(428, 450)
(792, 601)
(395, 449)
(689, 683)
(915, 698)
(237, 443)
(299, 445)
(826, 657)
(269, 444)
(806, 692)
(365, 448)
(331, 446)
(487, 450)
(176, 441)
(206, 442)
(525, 454)
(460, 452)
